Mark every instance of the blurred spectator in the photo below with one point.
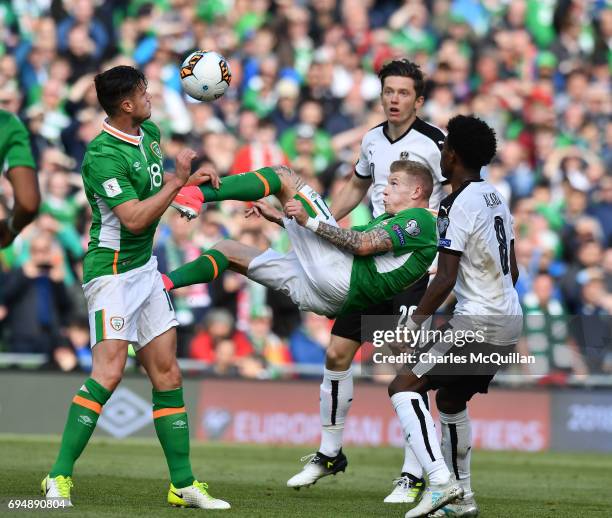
(591, 328)
(92, 38)
(266, 344)
(589, 256)
(308, 343)
(225, 359)
(546, 335)
(262, 151)
(218, 326)
(36, 299)
(191, 302)
(307, 140)
(601, 208)
(78, 336)
(285, 115)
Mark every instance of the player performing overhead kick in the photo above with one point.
(330, 270)
(403, 136)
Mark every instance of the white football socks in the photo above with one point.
(335, 402)
(411, 463)
(457, 446)
(419, 430)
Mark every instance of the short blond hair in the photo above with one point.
(420, 172)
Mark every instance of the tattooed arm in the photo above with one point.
(356, 242)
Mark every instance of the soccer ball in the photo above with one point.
(205, 75)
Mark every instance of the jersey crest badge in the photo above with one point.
(412, 227)
(117, 323)
(404, 155)
(156, 149)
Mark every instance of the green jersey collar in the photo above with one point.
(126, 137)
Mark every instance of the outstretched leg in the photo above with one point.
(206, 268)
(280, 180)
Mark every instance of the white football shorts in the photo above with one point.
(131, 306)
(316, 275)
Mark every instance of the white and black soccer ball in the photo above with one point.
(205, 75)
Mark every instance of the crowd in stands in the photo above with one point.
(304, 91)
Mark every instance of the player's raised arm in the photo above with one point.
(137, 215)
(354, 241)
(261, 208)
(350, 196)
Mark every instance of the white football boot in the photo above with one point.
(317, 466)
(406, 490)
(435, 497)
(195, 495)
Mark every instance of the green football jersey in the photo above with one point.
(376, 278)
(117, 168)
(14, 143)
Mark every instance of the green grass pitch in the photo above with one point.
(129, 478)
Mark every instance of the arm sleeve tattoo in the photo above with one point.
(354, 241)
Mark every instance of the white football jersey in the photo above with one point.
(475, 222)
(422, 142)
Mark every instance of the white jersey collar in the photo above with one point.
(126, 137)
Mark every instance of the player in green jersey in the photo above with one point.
(16, 159)
(128, 192)
(331, 270)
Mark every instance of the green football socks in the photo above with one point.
(82, 418)
(172, 428)
(249, 186)
(205, 268)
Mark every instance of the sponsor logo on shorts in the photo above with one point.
(400, 234)
(117, 323)
(413, 229)
(444, 242)
(156, 149)
(85, 420)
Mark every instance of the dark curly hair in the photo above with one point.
(403, 68)
(472, 139)
(115, 84)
